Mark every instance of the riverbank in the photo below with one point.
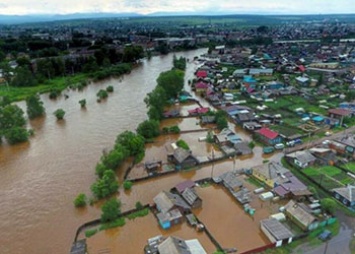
(39, 180)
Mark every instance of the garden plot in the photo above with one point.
(329, 177)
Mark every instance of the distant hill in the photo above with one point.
(18, 19)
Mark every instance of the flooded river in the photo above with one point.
(40, 179)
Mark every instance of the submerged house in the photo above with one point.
(171, 208)
(182, 158)
(272, 174)
(191, 197)
(175, 245)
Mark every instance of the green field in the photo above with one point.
(328, 176)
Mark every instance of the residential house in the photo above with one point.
(171, 208)
(184, 185)
(152, 166)
(208, 119)
(227, 137)
(175, 245)
(291, 187)
(303, 81)
(172, 113)
(347, 143)
(191, 197)
(251, 126)
(276, 231)
(182, 158)
(201, 74)
(346, 195)
(272, 85)
(239, 73)
(242, 148)
(272, 174)
(300, 214)
(201, 87)
(260, 72)
(198, 111)
(339, 113)
(230, 181)
(248, 84)
(268, 136)
(301, 159)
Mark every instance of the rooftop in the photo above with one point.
(276, 229)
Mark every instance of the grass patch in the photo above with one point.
(140, 213)
(330, 171)
(91, 232)
(120, 222)
(350, 166)
(59, 83)
(255, 182)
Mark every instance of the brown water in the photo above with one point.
(40, 179)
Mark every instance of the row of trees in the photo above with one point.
(127, 144)
(12, 119)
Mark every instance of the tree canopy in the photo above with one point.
(149, 129)
(110, 210)
(105, 186)
(172, 81)
(34, 107)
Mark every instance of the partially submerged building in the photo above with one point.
(276, 231)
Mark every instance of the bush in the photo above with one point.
(102, 94)
(172, 129)
(90, 232)
(181, 143)
(16, 135)
(80, 200)
(82, 103)
(140, 213)
(149, 129)
(109, 89)
(59, 113)
(139, 205)
(120, 222)
(127, 185)
(54, 93)
(251, 144)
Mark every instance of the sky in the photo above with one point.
(21, 7)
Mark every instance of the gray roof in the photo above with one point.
(166, 201)
(78, 247)
(347, 140)
(230, 180)
(302, 156)
(190, 196)
(346, 192)
(173, 245)
(169, 216)
(276, 229)
(243, 148)
(181, 154)
(299, 213)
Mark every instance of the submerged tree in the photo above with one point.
(59, 113)
(34, 107)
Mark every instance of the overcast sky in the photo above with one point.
(150, 6)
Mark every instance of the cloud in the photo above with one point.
(148, 6)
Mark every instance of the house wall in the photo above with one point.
(270, 141)
(269, 182)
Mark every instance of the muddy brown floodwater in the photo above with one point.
(40, 179)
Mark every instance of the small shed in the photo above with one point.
(276, 231)
(190, 196)
(78, 247)
(300, 215)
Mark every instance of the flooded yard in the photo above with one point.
(235, 228)
(132, 237)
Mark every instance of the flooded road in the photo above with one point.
(40, 179)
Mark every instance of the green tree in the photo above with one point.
(222, 123)
(172, 81)
(102, 94)
(110, 210)
(139, 205)
(11, 116)
(132, 53)
(100, 169)
(23, 77)
(59, 113)
(328, 205)
(149, 129)
(134, 143)
(80, 200)
(82, 103)
(115, 157)
(127, 185)
(16, 135)
(34, 107)
(105, 186)
(155, 101)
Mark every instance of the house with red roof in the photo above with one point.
(201, 74)
(268, 136)
(201, 87)
(198, 111)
